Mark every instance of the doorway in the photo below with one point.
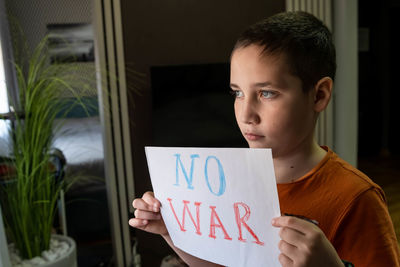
(379, 142)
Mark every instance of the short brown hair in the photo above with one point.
(304, 40)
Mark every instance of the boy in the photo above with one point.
(282, 72)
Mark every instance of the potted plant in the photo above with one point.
(29, 195)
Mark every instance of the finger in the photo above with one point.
(152, 201)
(292, 236)
(140, 204)
(285, 260)
(298, 224)
(147, 215)
(288, 249)
(138, 223)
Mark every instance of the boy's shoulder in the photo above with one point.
(345, 176)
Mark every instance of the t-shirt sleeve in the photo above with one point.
(365, 234)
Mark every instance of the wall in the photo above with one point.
(185, 32)
(346, 84)
(175, 32)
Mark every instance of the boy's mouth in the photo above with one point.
(252, 136)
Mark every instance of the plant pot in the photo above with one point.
(67, 260)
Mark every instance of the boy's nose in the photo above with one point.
(249, 114)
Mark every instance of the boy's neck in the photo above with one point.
(294, 166)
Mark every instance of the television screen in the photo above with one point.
(192, 106)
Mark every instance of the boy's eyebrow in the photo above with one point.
(232, 85)
(262, 84)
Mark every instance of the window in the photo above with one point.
(3, 105)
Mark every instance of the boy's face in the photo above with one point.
(271, 109)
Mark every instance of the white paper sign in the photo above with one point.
(218, 203)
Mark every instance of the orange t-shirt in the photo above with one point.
(350, 208)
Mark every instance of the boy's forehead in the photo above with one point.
(251, 66)
(259, 54)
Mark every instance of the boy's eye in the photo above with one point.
(236, 93)
(267, 94)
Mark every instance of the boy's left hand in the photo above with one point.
(304, 244)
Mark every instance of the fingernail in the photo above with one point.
(155, 208)
(273, 221)
(144, 222)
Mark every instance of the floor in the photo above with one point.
(95, 254)
(385, 171)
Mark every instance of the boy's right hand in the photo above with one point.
(147, 215)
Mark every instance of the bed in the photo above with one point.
(80, 140)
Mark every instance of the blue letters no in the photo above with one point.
(189, 180)
(221, 176)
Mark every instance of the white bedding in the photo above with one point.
(80, 139)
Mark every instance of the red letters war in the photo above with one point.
(215, 221)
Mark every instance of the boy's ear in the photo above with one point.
(322, 93)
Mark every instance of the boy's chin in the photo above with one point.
(257, 145)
